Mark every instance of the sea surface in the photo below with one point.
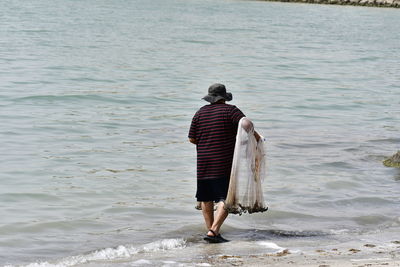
(96, 99)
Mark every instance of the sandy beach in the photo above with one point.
(369, 255)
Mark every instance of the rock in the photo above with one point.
(376, 3)
(393, 161)
(283, 253)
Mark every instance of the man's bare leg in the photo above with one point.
(220, 217)
(208, 213)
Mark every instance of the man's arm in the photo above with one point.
(193, 140)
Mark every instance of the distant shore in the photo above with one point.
(370, 3)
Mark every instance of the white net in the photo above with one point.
(248, 172)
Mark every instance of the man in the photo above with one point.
(213, 130)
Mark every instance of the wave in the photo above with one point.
(273, 234)
(69, 98)
(13, 197)
(392, 140)
(371, 201)
(199, 42)
(271, 245)
(110, 254)
(300, 233)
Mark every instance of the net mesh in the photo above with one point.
(248, 172)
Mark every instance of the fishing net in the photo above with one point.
(248, 172)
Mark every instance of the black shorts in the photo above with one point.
(214, 189)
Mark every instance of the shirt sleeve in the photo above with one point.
(193, 127)
(236, 115)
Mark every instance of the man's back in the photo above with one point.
(214, 127)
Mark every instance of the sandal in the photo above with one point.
(215, 238)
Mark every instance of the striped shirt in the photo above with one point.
(214, 127)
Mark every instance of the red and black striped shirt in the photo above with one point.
(214, 127)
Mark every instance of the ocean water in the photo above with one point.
(96, 98)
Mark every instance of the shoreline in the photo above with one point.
(319, 258)
(366, 3)
(305, 261)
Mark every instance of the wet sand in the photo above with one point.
(369, 255)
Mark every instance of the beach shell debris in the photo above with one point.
(353, 250)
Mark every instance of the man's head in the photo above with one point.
(216, 93)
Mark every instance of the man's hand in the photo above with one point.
(193, 141)
(248, 126)
(257, 136)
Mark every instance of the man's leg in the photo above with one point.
(208, 213)
(220, 217)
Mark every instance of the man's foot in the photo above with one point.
(214, 238)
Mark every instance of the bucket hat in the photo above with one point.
(217, 92)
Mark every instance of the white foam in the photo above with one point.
(165, 244)
(120, 252)
(340, 231)
(371, 259)
(271, 245)
(141, 262)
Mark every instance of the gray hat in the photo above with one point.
(217, 92)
